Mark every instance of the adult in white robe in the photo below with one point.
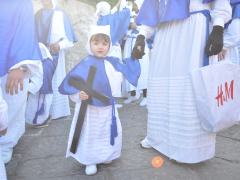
(57, 104)
(173, 126)
(19, 59)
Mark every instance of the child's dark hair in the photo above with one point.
(100, 37)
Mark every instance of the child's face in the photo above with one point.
(99, 48)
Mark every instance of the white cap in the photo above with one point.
(94, 29)
(103, 8)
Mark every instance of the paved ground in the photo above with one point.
(40, 155)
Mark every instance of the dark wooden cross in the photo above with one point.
(86, 87)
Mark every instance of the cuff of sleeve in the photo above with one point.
(61, 45)
(218, 22)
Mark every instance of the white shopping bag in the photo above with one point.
(217, 92)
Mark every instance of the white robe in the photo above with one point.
(59, 103)
(94, 144)
(3, 125)
(56, 105)
(144, 62)
(173, 124)
(17, 105)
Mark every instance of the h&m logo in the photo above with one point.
(225, 93)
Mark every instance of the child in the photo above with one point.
(101, 136)
(3, 129)
(40, 91)
(19, 60)
(144, 62)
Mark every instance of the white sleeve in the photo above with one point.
(33, 67)
(35, 83)
(221, 12)
(65, 43)
(3, 112)
(75, 98)
(147, 31)
(232, 35)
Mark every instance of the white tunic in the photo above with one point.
(17, 105)
(173, 124)
(144, 62)
(94, 144)
(60, 103)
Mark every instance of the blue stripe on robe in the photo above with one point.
(234, 1)
(153, 12)
(18, 40)
(236, 11)
(118, 21)
(131, 70)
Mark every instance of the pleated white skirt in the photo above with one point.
(94, 145)
(60, 103)
(173, 124)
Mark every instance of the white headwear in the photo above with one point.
(94, 29)
(54, 3)
(103, 8)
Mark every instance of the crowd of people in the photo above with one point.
(138, 46)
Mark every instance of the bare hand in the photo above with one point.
(54, 48)
(3, 132)
(83, 96)
(14, 79)
(222, 55)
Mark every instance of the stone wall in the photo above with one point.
(82, 16)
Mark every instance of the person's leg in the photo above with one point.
(16, 120)
(134, 96)
(144, 100)
(91, 169)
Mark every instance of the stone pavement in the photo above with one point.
(40, 155)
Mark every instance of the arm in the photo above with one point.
(115, 8)
(221, 12)
(29, 61)
(78, 97)
(35, 82)
(232, 35)
(65, 43)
